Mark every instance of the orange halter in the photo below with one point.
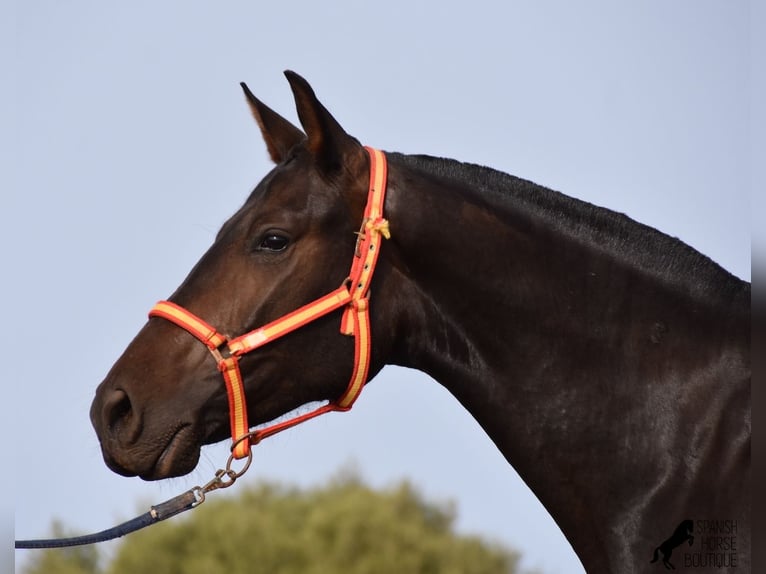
(352, 295)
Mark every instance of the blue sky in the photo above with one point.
(133, 144)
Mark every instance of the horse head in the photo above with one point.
(291, 242)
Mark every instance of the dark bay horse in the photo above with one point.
(608, 362)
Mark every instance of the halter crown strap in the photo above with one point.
(353, 296)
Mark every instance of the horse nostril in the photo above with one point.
(118, 410)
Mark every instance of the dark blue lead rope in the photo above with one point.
(180, 503)
(224, 478)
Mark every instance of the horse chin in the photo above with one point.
(179, 457)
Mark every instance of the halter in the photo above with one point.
(352, 295)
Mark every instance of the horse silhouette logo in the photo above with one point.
(682, 533)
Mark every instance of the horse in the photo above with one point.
(607, 361)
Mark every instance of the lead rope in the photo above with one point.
(192, 498)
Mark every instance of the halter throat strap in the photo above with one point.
(352, 296)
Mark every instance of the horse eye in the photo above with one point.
(273, 242)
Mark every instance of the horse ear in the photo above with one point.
(327, 141)
(278, 133)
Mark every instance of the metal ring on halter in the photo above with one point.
(233, 474)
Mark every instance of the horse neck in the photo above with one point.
(564, 329)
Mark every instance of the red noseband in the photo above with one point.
(352, 296)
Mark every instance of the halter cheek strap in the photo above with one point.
(352, 296)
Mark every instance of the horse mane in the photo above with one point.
(653, 252)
